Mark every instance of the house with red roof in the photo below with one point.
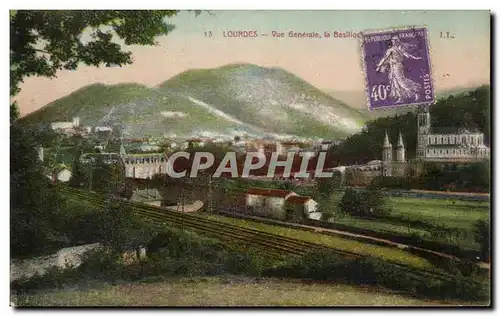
(267, 202)
(298, 207)
(281, 204)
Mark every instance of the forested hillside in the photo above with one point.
(470, 110)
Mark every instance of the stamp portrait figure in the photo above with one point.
(401, 87)
(397, 67)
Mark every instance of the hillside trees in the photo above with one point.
(470, 110)
(41, 44)
(34, 204)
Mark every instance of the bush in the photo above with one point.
(116, 226)
(327, 265)
(54, 277)
(482, 237)
(101, 264)
(391, 183)
(369, 203)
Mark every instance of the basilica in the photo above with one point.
(440, 145)
(448, 144)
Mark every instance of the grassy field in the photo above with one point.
(223, 291)
(426, 216)
(449, 213)
(387, 253)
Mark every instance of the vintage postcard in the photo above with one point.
(250, 158)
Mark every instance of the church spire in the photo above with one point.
(400, 149)
(386, 141)
(400, 141)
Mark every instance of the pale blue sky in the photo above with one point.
(329, 64)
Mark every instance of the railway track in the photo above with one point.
(276, 245)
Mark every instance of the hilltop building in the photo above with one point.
(65, 125)
(327, 144)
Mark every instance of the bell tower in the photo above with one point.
(387, 157)
(423, 129)
(400, 149)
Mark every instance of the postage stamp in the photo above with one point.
(397, 67)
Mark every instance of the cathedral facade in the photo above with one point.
(448, 144)
(440, 145)
(397, 167)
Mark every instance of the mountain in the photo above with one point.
(357, 100)
(234, 99)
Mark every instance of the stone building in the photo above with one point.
(444, 144)
(394, 167)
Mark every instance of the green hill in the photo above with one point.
(232, 99)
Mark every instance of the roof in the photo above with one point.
(297, 199)
(269, 192)
(454, 130)
(146, 155)
(60, 167)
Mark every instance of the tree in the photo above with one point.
(35, 204)
(78, 174)
(43, 42)
(470, 110)
(116, 226)
(326, 186)
(328, 208)
(365, 203)
(482, 237)
(105, 177)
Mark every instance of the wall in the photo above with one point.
(311, 206)
(266, 205)
(143, 171)
(64, 175)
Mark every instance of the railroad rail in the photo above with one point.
(278, 244)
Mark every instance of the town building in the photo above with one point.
(60, 173)
(98, 129)
(443, 144)
(299, 207)
(280, 204)
(263, 146)
(327, 144)
(267, 202)
(143, 166)
(63, 126)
